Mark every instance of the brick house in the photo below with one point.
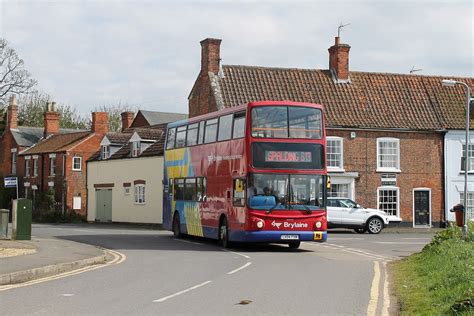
(15, 139)
(58, 162)
(385, 131)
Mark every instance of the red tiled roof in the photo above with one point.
(370, 100)
(57, 143)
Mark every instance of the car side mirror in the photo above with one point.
(358, 206)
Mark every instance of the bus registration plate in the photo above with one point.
(318, 235)
(290, 237)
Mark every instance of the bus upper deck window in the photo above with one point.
(239, 126)
(211, 131)
(171, 138)
(191, 138)
(181, 136)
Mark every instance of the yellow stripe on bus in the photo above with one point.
(193, 219)
(175, 154)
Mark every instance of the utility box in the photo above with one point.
(21, 220)
(4, 223)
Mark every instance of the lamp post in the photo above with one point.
(452, 83)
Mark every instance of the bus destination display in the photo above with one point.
(287, 156)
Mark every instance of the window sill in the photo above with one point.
(336, 170)
(76, 169)
(389, 170)
(139, 203)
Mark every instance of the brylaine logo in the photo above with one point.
(275, 224)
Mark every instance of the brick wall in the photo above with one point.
(421, 165)
(6, 144)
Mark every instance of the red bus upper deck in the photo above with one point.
(250, 173)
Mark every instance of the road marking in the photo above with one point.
(238, 269)
(118, 258)
(181, 292)
(354, 251)
(348, 238)
(399, 242)
(386, 296)
(240, 254)
(67, 295)
(374, 291)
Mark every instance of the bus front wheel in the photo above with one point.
(176, 226)
(224, 233)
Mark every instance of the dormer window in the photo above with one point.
(105, 152)
(135, 149)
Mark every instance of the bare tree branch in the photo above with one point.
(13, 77)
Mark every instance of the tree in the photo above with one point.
(115, 119)
(31, 108)
(13, 77)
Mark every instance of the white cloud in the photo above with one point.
(88, 53)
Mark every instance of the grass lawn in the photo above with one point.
(440, 279)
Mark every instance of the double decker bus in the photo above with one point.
(250, 173)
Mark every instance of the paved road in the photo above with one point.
(162, 275)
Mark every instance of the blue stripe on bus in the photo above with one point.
(273, 236)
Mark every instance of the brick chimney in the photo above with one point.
(12, 110)
(100, 122)
(127, 119)
(339, 61)
(51, 120)
(210, 55)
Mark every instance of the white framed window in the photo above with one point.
(334, 154)
(77, 163)
(35, 167)
(13, 163)
(470, 203)
(52, 166)
(389, 200)
(105, 152)
(139, 193)
(388, 154)
(470, 153)
(339, 190)
(27, 167)
(135, 149)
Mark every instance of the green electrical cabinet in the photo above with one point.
(21, 220)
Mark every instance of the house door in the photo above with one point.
(103, 198)
(422, 208)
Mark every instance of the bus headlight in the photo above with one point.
(260, 224)
(318, 224)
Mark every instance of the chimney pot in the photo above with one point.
(100, 122)
(127, 119)
(339, 60)
(51, 121)
(12, 111)
(210, 55)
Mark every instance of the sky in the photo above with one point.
(146, 54)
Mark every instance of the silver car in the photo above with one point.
(345, 213)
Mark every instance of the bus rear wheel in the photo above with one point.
(224, 234)
(294, 244)
(176, 226)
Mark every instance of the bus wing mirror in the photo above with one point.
(204, 198)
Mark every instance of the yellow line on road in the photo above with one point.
(386, 296)
(118, 258)
(374, 291)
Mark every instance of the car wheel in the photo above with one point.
(224, 234)
(360, 230)
(374, 225)
(294, 244)
(176, 226)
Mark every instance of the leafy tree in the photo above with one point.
(31, 108)
(13, 77)
(115, 119)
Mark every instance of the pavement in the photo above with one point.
(25, 260)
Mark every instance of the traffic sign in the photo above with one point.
(10, 182)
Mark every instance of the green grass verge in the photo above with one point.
(440, 279)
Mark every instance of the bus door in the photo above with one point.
(238, 199)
